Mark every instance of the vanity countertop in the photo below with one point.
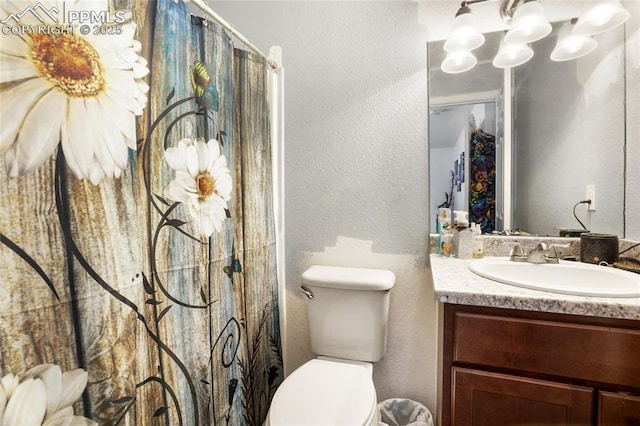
(454, 283)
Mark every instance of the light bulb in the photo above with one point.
(602, 17)
(528, 24)
(511, 55)
(571, 46)
(458, 61)
(465, 34)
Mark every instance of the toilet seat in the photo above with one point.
(326, 391)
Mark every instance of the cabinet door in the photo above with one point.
(482, 398)
(618, 409)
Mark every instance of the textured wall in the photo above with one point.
(356, 163)
(633, 125)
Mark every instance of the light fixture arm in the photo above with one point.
(463, 9)
(508, 8)
(464, 6)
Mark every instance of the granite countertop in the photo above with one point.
(454, 283)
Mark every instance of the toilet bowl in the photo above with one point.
(326, 391)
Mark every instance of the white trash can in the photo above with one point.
(404, 412)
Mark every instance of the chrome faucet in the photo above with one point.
(541, 254)
(517, 253)
(553, 247)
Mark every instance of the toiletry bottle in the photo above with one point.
(446, 243)
(444, 232)
(478, 241)
(462, 237)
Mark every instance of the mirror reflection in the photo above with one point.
(539, 133)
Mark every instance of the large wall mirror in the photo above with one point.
(564, 130)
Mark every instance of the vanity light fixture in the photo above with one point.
(601, 17)
(570, 45)
(527, 24)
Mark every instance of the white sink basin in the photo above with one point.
(583, 279)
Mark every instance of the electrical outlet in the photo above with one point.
(591, 195)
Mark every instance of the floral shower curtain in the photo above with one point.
(482, 187)
(146, 259)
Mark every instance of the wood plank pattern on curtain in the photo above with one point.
(172, 327)
(261, 364)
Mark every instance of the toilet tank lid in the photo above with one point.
(348, 278)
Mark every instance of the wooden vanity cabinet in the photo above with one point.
(509, 367)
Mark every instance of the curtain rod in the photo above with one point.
(206, 9)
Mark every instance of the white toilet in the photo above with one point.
(348, 311)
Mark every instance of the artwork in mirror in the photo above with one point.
(568, 131)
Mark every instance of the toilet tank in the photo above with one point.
(349, 312)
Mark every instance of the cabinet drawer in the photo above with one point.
(587, 352)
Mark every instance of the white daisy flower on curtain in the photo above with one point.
(42, 396)
(202, 182)
(82, 91)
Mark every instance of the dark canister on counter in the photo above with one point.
(597, 248)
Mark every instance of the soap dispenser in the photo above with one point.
(478, 241)
(460, 219)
